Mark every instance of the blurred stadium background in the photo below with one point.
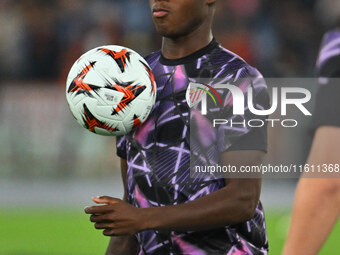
(50, 167)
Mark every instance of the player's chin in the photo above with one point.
(168, 33)
(165, 29)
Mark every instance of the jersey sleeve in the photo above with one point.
(121, 147)
(247, 131)
(327, 106)
(328, 63)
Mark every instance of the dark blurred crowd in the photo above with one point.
(40, 39)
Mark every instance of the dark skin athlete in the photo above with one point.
(185, 26)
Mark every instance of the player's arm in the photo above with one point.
(234, 203)
(127, 244)
(317, 201)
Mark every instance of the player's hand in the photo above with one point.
(116, 217)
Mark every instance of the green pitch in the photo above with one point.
(69, 232)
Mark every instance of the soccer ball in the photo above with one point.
(110, 90)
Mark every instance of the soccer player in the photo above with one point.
(164, 210)
(317, 201)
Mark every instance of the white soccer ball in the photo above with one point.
(110, 90)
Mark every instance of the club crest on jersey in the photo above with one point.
(196, 91)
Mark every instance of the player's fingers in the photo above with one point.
(109, 232)
(104, 225)
(118, 231)
(100, 218)
(98, 209)
(105, 200)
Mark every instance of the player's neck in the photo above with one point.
(186, 45)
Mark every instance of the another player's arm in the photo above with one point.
(232, 204)
(127, 244)
(317, 201)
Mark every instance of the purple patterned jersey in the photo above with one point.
(158, 154)
(328, 62)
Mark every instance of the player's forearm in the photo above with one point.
(233, 204)
(315, 211)
(227, 206)
(317, 200)
(122, 245)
